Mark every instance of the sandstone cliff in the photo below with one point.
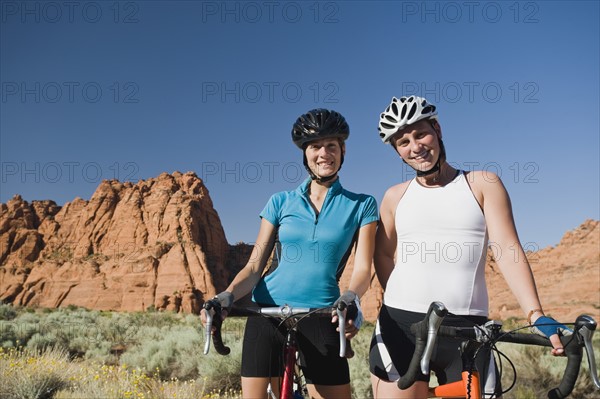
(157, 243)
(567, 277)
(160, 244)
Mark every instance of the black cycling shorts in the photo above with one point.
(393, 345)
(318, 344)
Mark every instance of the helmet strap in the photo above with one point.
(438, 164)
(319, 179)
(436, 168)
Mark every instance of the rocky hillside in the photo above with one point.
(160, 244)
(567, 276)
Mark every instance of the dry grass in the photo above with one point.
(163, 359)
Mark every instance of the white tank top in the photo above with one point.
(441, 250)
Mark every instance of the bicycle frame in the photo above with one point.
(289, 372)
(467, 387)
(469, 384)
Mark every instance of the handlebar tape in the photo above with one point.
(414, 370)
(573, 351)
(574, 354)
(217, 338)
(437, 311)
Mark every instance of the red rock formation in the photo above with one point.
(159, 243)
(567, 277)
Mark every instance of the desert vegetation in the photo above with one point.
(73, 353)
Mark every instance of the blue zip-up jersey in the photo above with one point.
(314, 248)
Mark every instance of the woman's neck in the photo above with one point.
(317, 191)
(443, 176)
(321, 187)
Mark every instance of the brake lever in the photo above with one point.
(341, 311)
(436, 315)
(209, 322)
(585, 326)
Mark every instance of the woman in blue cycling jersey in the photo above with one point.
(316, 227)
(431, 245)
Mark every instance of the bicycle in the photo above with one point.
(292, 386)
(479, 336)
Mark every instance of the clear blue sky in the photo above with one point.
(95, 90)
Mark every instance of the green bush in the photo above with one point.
(7, 312)
(359, 364)
(172, 351)
(75, 353)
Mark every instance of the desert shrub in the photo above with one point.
(7, 312)
(28, 374)
(359, 364)
(173, 351)
(161, 357)
(222, 373)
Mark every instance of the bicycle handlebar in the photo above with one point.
(213, 308)
(284, 312)
(427, 330)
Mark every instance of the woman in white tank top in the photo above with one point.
(431, 245)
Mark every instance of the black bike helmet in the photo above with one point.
(318, 124)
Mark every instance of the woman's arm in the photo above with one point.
(248, 277)
(361, 273)
(509, 254)
(385, 238)
(363, 258)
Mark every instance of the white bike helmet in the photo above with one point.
(403, 112)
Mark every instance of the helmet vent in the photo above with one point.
(428, 109)
(413, 109)
(318, 124)
(402, 112)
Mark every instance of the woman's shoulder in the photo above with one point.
(396, 191)
(280, 197)
(481, 178)
(393, 195)
(359, 197)
(485, 185)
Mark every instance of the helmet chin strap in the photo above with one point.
(438, 164)
(319, 179)
(436, 168)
